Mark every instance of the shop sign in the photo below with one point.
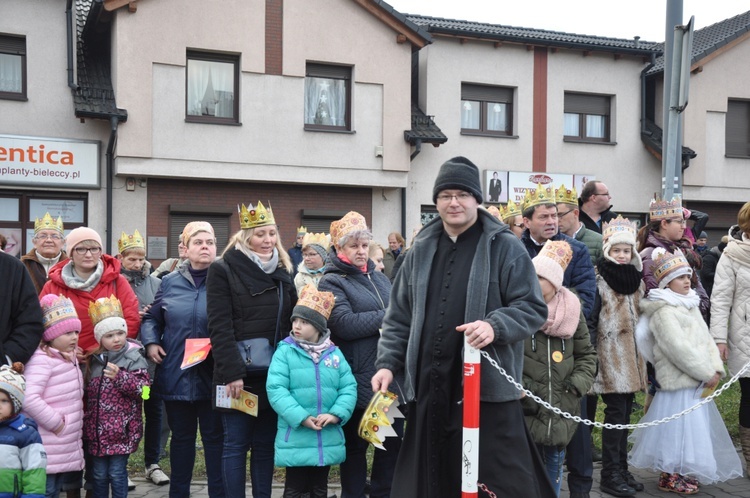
(49, 162)
(503, 185)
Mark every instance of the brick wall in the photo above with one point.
(274, 36)
(287, 202)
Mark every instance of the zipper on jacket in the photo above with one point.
(320, 407)
(377, 293)
(549, 384)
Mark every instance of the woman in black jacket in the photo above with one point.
(362, 295)
(250, 296)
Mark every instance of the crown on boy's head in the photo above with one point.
(660, 209)
(134, 241)
(254, 217)
(566, 196)
(48, 223)
(319, 301)
(538, 196)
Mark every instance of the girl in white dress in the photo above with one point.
(695, 448)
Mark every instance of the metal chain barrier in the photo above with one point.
(576, 418)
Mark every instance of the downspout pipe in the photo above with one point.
(643, 92)
(113, 123)
(417, 149)
(69, 27)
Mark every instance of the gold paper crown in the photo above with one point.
(351, 222)
(134, 241)
(494, 212)
(559, 251)
(255, 217)
(617, 226)
(538, 196)
(321, 239)
(318, 301)
(667, 263)
(566, 196)
(48, 223)
(378, 418)
(659, 209)
(510, 210)
(301, 229)
(61, 309)
(105, 307)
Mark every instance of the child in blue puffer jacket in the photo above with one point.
(311, 387)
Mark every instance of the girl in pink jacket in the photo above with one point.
(54, 394)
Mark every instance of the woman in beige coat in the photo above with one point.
(730, 313)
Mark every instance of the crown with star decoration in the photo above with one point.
(566, 196)
(47, 222)
(134, 241)
(254, 217)
(538, 196)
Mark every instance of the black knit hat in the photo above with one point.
(310, 315)
(461, 174)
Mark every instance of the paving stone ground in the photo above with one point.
(735, 488)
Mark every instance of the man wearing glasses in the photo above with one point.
(465, 275)
(568, 219)
(47, 252)
(595, 206)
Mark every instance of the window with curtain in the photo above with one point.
(486, 110)
(12, 67)
(212, 94)
(738, 128)
(328, 97)
(586, 117)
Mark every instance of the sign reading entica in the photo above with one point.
(49, 162)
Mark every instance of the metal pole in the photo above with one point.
(671, 162)
(470, 448)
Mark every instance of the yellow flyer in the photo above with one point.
(247, 402)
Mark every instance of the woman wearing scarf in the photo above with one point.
(250, 296)
(88, 275)
(362, 295)
(310, 270)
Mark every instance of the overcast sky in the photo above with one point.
(611, 18)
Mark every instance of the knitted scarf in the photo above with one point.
(315, 349)
(74, 281)
(563, 316)
(623, 279)
(268, 266)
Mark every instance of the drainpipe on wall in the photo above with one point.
(643, 92)
(403, 212)
(113, 122)
(69, 26)
(417, 149)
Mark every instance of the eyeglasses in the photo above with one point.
(462, 197)
(560, 215)
(681, 222)
(83, 250)
(43, 236)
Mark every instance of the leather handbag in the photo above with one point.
(256, 355)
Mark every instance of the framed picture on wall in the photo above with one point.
(495, 186)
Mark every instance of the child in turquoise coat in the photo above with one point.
(311, 387)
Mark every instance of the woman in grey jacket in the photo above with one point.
(362, 295)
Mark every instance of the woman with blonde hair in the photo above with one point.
(250, 300)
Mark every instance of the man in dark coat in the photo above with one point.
(595, 206)
(466, 275)
(21, 326)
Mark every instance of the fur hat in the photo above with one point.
(620, 231)
(461, 174)
(13, 384)
(78, 235)
(668, 266)
(59, 316)
(552, 261)
(314, 306)
(106, 315)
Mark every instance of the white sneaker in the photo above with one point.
(131, 485)
(156, 475)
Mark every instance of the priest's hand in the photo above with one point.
(478, 333)
(381, 380)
